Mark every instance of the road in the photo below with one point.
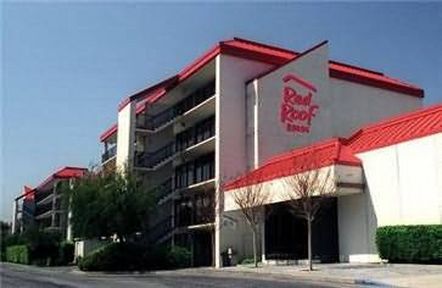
(35, 277)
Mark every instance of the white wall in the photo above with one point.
(126, 136)
(404, 181)
(230, 124)
(356, 229)
(278, 190)
(403, 187)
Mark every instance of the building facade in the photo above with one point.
(42, 206)
(388, 173)
(229, 112)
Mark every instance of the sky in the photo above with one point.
(66, 66)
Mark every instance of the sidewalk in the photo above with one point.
(389, 275)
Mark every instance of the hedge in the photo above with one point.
(18, 254)
(410, 243)
(132, 256)
(42, 248)
(65, 253)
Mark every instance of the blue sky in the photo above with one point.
(65, 67)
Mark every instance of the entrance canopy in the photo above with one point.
(331, 162)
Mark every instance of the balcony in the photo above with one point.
(163, 119)
(43, 211)
(110, 153)
(194, 211)
(156, 159)
(43, 194)
(194, 172)
(198, 140)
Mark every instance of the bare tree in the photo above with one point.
(251, 199)
(307, 192)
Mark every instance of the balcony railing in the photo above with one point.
(194, 172)
(42, 209)
(195, 135)
(195, 216)
(150, 160)
(156, 121)
(42, 194)
(191, 137)
(109, 154)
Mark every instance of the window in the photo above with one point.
(196, 171)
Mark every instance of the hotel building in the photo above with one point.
(42, 206)
(240, 105)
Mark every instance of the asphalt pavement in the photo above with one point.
(35, 277)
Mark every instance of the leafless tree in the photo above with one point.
(251, 199)
(308, 192)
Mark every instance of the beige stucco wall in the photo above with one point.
(230, 125)
(126, 136)
(344, 107)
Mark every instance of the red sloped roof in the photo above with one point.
(398, 129)
(392, 131)
(332, 151)
(279, 56)
(28, 193)
(63, 173)
(108, 133)
(268, 54)
(371, 78)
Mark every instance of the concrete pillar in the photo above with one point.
(14, 217)
(126, 137)
(69, 215)
(54, 207)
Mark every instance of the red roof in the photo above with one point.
(63, 173)
(332, 151)
(392, 131)
(108, 133)
(398, 129)
(273, 55)
(28, 193)
(278, 56)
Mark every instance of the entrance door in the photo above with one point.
(286, 235)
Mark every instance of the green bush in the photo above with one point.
(65, 253)
(247, 261)
(18, 254)
(410, 243)
(43, 247)
(113, 257)
(133, 256)
(179, 257)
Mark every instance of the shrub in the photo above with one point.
(410, 243)
(132, 256)
(113, 257)
(179, 257)
(65, 253)
(18, 254)
(43, 247)
(247, 261)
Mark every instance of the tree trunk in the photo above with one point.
(255, 249)
(309, 239)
